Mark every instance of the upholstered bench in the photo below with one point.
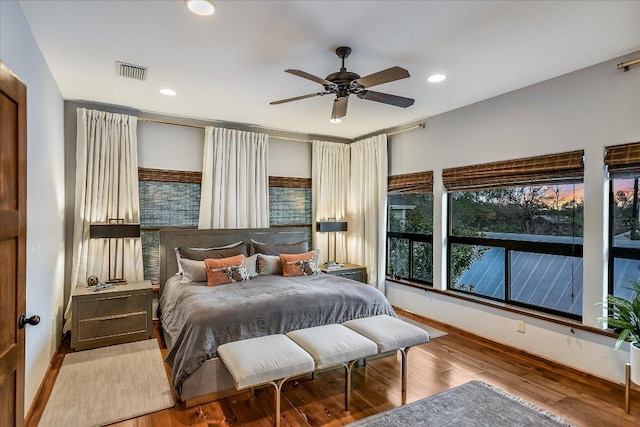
(390, 333)
(333, 345)
(265, 360)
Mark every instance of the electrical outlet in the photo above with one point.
(53, 324)
(521, 326)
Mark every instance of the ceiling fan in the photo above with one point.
(344, 83)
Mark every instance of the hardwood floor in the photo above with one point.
(434, 367)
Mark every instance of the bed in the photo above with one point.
(196, 319)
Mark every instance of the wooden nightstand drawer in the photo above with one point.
(108, 327)
(111, 316)
(357, 275)
(348, 271)
(111, 305)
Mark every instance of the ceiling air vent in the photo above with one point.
(132, 71)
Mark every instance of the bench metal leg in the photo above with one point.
(347, 384)
(278, 388)
(405, 373)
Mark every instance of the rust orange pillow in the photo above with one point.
(226, 270)
(299, 264)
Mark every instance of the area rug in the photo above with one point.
(433, 332)
(473, 404)
(107, 385)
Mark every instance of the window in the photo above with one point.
(410, 227)
(515, 232)
(623, 162)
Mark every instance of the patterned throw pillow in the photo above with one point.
(226, 270)
(299, 264)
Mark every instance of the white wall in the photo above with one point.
(170, 147)
(45, 192)
(589, 109)
(162, 146)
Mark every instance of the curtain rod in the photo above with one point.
(626, 65)
(166, 122)
(418, 126)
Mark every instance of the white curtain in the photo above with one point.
(367, 207)
(329, 190)
(235, 179)
(106, 188)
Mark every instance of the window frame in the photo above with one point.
(411, 183)
(614, 251)
(546, 248)
(411, 237)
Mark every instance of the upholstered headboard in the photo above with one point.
(171, 239)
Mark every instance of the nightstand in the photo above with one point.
(111, 316)
(348, 271)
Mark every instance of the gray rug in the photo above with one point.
(473, 404)
(433, 332)
(107, 385)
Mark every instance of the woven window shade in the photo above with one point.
(623, 160)
(420, 182)
(553, 168)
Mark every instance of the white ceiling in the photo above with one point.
(231, 65)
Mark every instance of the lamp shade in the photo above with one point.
(113, 231)
(331, 226)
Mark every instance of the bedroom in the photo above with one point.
(556, 115)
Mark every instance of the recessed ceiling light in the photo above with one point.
(200, 7)
(336, 120)
(436, 78)
(168, 92)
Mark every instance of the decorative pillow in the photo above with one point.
(299, 264)
(269, 264)
(286, 248)
(193, 271)
(200, 254)
(252, 265)
(226, 270)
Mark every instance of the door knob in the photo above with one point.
(22, 320)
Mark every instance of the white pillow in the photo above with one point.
(192, 271)
(252, 265)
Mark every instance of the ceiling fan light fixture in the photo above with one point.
(200, 7)
(336, 120)
(436, 78)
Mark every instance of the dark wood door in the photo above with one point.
(13, 209)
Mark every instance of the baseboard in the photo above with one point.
(577, 373)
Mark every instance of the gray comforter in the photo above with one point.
(199, 318)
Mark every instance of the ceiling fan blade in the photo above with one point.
(339, 107)
(385, 98)
(296, 98)
(308, 76)
(384, 76)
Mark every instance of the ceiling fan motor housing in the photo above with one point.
(342, 79)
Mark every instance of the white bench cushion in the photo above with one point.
(334, 344)
(389, 333)
(257, 361)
